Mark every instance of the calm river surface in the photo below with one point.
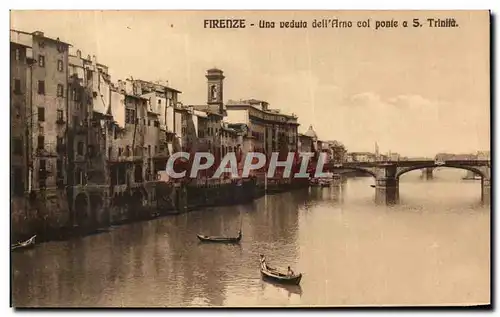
(433, 248)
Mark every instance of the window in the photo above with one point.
(18, 54)
(41, 60)
(90, 151)
(59, 168)
(42, 174)
(17, 146)
(157, 123)
(41, 87)
(60, 65)
(41, 142)
(130, 116)
(17, 180)
(75, 94)
(138, 174)
(89, 74)
(17, 86)
(110, 152)
(60, 144)
(79, 148)
(76, 121)
(60, 90)
(149, 150)
(41, 114)
(159, 101)
(60, 115)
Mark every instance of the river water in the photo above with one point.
(431, 249)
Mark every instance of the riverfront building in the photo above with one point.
(88, 151)
(45, 86)
(268, 129)
(20, 155)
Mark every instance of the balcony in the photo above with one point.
(122, 158)
(47, 151)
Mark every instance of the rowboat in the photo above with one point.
(30, 243)
(220, 239)
(276, 275)
(290, 288)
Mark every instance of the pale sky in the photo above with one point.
(416, 91)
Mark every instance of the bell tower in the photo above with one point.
(215, 79)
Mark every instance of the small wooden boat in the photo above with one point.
(290, 288)
(372, 186)
(30, 243)
(275, 275)
(219, 239)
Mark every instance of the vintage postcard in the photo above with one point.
(250, 158)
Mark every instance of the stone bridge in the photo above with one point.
(387, 174)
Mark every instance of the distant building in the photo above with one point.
(314, 138)
(270, 130)
(337, 151)
(451, 157)
(305, 143)
(361, 157)
(394, 156)
(484, 155)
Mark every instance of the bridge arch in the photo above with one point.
(462, 167)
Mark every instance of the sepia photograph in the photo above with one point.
(250, 159)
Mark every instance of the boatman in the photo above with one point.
(290, 272)
(263, 260)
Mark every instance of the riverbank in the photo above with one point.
(56, 215)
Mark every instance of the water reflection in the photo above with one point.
(432, 248)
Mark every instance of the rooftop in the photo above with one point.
(19, 44)
(206, 109)
(257, 104)
(158, 85)
(38, 34)
(214, 70)
(311, 133)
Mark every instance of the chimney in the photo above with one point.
(38, 33)
(94, 59)
(79, 53)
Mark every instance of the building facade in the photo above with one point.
(20, 150)
(269, 129)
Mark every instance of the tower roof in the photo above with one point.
(214, 70)
(310, 133)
